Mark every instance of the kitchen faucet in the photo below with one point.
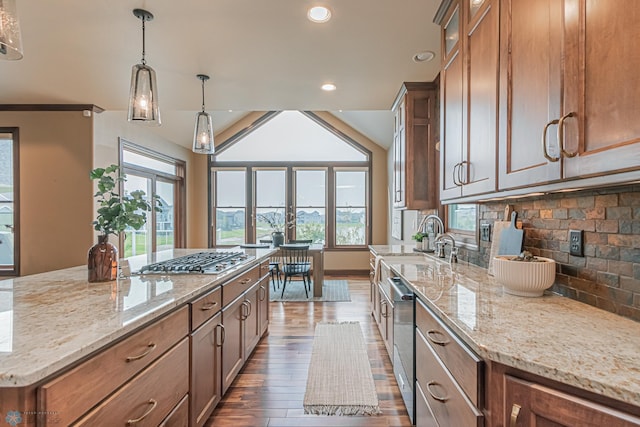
(440, 244)
(440, 225)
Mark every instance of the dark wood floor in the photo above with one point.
(270, 388)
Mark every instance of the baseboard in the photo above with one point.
(346, 273)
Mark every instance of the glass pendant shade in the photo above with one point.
(10, 37)
(203, 134)
(143, 97)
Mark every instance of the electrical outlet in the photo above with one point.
(576, 242)
(485, 232)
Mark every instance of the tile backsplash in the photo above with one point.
(608, 276)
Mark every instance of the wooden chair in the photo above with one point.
(296, 262)
(274, 267)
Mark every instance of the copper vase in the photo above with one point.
(103, 261)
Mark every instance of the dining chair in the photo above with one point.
(274, 267)
(295, 262)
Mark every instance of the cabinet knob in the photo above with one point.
(515, 411)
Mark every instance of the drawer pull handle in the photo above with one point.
(223, 334)
(264, 293)
(245, 281)
(432, 332)
(515, 411)
(150, 348)
(209, 306)
(153, 404)
(544, 141)
(438, 398)
(561, 135)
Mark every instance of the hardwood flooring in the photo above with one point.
(270, 388)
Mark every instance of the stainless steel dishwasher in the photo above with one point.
(404, 341)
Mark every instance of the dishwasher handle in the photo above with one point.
(400, 289)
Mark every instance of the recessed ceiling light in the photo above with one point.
(425, 56)
(319, 14)
(328, 87)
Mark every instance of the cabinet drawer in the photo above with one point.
(264, 268)
(205, 307)
(234, 287)
(447, 401)
(74, 393)
(424, 416)
(463, 364)
(149, 397)
(179, 417)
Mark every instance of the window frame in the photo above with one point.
(290, 166)
(179, 180)
(15, 137)
(367, 189)
(463, 238)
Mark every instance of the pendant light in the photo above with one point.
(143, 97)
(203, 133)
(10, 38)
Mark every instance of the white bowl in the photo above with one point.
(527, 279)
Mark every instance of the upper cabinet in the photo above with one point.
(414, 151)
(561, 99)
(469, 93)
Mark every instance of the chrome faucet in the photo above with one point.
(440, 225)
(440, 244)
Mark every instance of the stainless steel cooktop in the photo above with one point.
(198, 263)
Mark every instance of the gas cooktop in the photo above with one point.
(198, 263)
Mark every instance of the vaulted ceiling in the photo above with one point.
(260, 54)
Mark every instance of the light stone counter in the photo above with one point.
(551, 336)
(49, 321)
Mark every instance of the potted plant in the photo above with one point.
(115, 214)
(277, 222)
(421, 238)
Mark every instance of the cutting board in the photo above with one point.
(498, 227)
(511, 238)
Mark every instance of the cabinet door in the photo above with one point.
(530, 404)
(478, 168)
(399, 158)
(452, 110)
(263, 307)
(206, 384)
(251, 324)
(233, 345)
(603, 87)
(530, 90)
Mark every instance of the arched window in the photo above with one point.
(292, 172)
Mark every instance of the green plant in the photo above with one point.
(115, 212)
(276, 220)
(419, 236)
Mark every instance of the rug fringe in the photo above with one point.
(342, 410)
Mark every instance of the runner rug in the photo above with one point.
(340, 381)
(332, 290)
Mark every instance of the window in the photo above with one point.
(230, 206)
(461, 221)
(351, 207)
(297, 172)
(161, 177)
(9, 232)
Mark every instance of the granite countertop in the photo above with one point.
(551, 336)
(50, 320)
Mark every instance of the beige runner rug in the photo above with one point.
(340, 381)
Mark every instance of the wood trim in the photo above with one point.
(240, 134)
(51, 107)
(346, 272)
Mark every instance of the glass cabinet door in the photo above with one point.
(452, 32)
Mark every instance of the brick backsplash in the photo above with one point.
(608, 276)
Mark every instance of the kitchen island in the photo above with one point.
(548, 338)
(55, 321)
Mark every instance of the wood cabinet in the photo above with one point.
(414, 147)
(250, 322)
(233, 347)
(449, 376)
(568, 90)
(150, 397)
(385, 322)
(179, 417)
(530, 404)
(206, 340)
(469, 89)
(74, 393)
(263, 305)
